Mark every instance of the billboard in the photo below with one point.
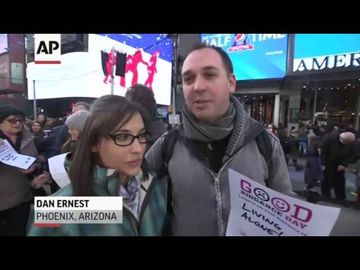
(254, 56)
(4, 72)
(147, 59)
(4, 63)
(319, 53)
(12, 59)
(3, 43)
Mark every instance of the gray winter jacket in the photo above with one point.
(201, 197)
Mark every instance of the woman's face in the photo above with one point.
(12, 124)
(36, 127)
(126, 160)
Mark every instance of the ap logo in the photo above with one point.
(47, 48)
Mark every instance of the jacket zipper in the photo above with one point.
(219, 206)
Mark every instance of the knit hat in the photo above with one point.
(7, 109)
(77, 120)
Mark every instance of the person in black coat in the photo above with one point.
(337, 152)
(313, 174)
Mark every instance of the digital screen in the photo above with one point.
(254, 56)
(3, 43)
(325, 52)
(147, 59)
(162, 112)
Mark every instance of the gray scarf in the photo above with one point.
(208, 132)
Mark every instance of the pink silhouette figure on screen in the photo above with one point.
(110, 63)
(152, 69)
(132, 62)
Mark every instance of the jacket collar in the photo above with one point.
(109, 179)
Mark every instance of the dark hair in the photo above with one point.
(105, 115)
(144, 96)
(224, 56)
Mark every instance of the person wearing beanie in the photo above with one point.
(61, 132)
(75, 124)
(77, 120)
(15, 189)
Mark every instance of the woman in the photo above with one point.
(15, 189)
(38, 133)
(39, 136)
(109, 161)
(75, 124)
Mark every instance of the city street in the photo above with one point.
(348, 223)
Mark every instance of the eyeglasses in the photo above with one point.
(14, 121)
(127, 139)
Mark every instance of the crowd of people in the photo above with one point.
(328, 151)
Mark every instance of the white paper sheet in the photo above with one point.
(57, 170)
(9, 156)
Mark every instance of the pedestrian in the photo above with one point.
(216, 135)
(109, 161)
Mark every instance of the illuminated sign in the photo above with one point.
(325, 52)
(254, 56)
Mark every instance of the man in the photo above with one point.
(216, 135)
(80, 106)
(41, 118)
(337, 152)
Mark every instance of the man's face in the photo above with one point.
(41, 118)
(206, 85)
